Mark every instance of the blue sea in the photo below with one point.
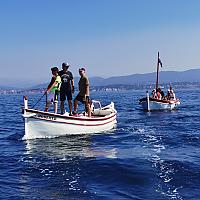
(148, 156)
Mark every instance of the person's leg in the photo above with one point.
(75, 105)
(69, 99)
(70, 106)
(62, 107)
(76, 100)
(55, 107)
(88, 109)
(47, 106)
(56, 102)
(62, 100)
(49, 101)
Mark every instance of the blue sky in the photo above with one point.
(108, 37)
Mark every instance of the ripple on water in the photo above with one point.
(147, 156)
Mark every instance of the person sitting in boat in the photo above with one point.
(67, 88)
(158, 94)
(83, 95)
(171, 95)
(154, 95)
(162, 93)
(52, 90)
(168, 94)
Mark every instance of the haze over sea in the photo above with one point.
(153, 156)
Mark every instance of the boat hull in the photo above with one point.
(40, 124)
(155, 104)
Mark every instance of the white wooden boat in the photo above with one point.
(40, 124)
(152, 104)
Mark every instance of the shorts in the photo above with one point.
(65, 93)
(53, 97)
(82, 99)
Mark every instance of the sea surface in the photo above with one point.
(148, 156)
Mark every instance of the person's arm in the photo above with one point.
(51, 82)
(174, 96)
(51, 85)
(87, 91)
(72, 83)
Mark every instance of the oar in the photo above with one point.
(39, 100)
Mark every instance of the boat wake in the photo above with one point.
(164, 168)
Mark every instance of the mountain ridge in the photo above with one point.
(191, 75)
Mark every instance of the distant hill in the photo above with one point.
(192, 75)
(164, 77)
(2, 87)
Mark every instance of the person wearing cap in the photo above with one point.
(53, 90)
(67, 88)
(84, 93)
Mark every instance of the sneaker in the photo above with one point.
(66, 114)
(74, 113)
(70, 114)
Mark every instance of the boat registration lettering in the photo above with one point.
(45, 117)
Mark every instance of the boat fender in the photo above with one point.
(29, 115)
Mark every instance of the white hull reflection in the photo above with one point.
(68, 146)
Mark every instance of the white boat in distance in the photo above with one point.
(153, 104)
(40, 124)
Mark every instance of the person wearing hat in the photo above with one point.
(53, 90)
(67, 88)
(84, 92)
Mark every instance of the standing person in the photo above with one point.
(53, 90)
(67, 88)
(168, 94)
(172, 94)
(84, 92)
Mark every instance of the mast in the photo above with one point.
(157, 77)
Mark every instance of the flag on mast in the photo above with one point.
(159, 62)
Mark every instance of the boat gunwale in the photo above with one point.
(77, 118)
(160, 100)
(52, 121)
